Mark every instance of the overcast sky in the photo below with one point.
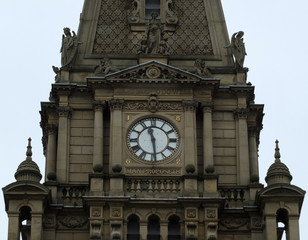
(276, 43)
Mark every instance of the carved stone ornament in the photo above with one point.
(69, 47)
(211, 213)
(241, 113)
(234, 223)
(99, 105)
(200, 69)
(105, 67)
(51, 129)
(96, 212)
(191, 213)
(152, 107)
(238, 49)
(115, 212)
(73, 222)
(256, 222)
(189, 105)
(153, 72)
(57, 71)
(116, 104)
(153, 103)
(65, 112)
(49, 221)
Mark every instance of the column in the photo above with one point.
(208, 158)
(51, 158)
(253, 155)
(98, 136)
(270, 227)
(190, 133)
(164, 230)
(62, 154)
(293, 228)
(116, 106)
(36, 226)
(143, 230)
(243, 150)
(13, 231)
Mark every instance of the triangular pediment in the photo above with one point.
(155, 72)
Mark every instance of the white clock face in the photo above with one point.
(153, 139)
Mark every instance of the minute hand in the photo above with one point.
(153, 140)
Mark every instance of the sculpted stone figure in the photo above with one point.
(69, 47)
(200, 68)
(155, 42)
(238, 49)
(105, 67)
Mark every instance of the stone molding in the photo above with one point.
(116, 104)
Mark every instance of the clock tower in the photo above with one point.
(152, 132)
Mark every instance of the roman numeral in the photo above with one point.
(133, 140)
(171, 131)
(136, 148)
(163, 155)
(143, 125)
(143, 155)
(172, 140)
(153, 122)
(136, 131)
(170, 148)
(153, 157)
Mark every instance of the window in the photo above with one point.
(174, 228)
(150, 7)
(153, 228)
(133, 228)
(25, 223)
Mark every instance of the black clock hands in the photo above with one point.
(150, 131)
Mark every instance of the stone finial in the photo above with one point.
(277, 152)
(29, 150)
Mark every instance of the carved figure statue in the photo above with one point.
(200, 68)
(153, 103)
(238, 49)
(68, 48)
(105, 67)
(154, 33)
(163, 47)
(57, 71)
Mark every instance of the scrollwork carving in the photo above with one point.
(73, 222)
(234, 223)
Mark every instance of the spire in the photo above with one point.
(29, 150)
(28, 169)
(277, 152)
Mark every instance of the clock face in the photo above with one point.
(153, 139)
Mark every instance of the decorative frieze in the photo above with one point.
(154, 171)
(73, 222)
(153, 185)
(235, 223)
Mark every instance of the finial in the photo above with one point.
(29, 150)
(277, 152)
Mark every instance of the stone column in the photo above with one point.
(143, 230)
(208, 158)
(62, 154)
(271, 227)
(51, 158)
(116, 138)
(253, 155)
(293, 228)
(164, 230)
(190, 133)
(36, 226)
(243, 150)
(98, 136)
(13, 231)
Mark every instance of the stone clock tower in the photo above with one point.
(152, 132)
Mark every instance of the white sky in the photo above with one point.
(276, 44)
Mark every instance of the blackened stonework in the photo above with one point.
(191, 37)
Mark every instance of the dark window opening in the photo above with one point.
(174, 228)
(133, 228)
(150, 7)
(25, 223)
(153, 228)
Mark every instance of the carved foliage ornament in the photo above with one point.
(153, 106)
(234, 223)
(73, 222)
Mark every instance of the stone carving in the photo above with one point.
(96, 212)
(241, 113)
(64, 112)
(200, 68)
(161, 106)
(153, 72)
(153, 185)
(68, 48)
(238, 49)
(48, 221)
(135, 16)
(153, 171)
(105, 67)
(211, 213)
(171, 18)
(116, 229)
(189, 105)
(211, 233)
(116, 212)
(234, 223)
(57, 71)
(191, 213)
(256, 222)
(96, 230)
(153, 103)
(156, 40)
(116, 104)
(73, 222)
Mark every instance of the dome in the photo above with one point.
(278, 172)
(28, 170)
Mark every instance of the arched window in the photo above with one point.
(153, 228)
(133, 228)
(152, 6)
(25, 223)
(174, 228)
(282, 224)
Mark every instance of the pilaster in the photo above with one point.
(98, 136)
(36, 226)
(270, 227)
(51, 158)
(62, 153)
(13, 231)
(253, 154)
(241, 115)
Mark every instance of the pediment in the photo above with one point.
(26, 187)
(282, 191)
(155, 72)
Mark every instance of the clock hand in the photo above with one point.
(150, 131)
